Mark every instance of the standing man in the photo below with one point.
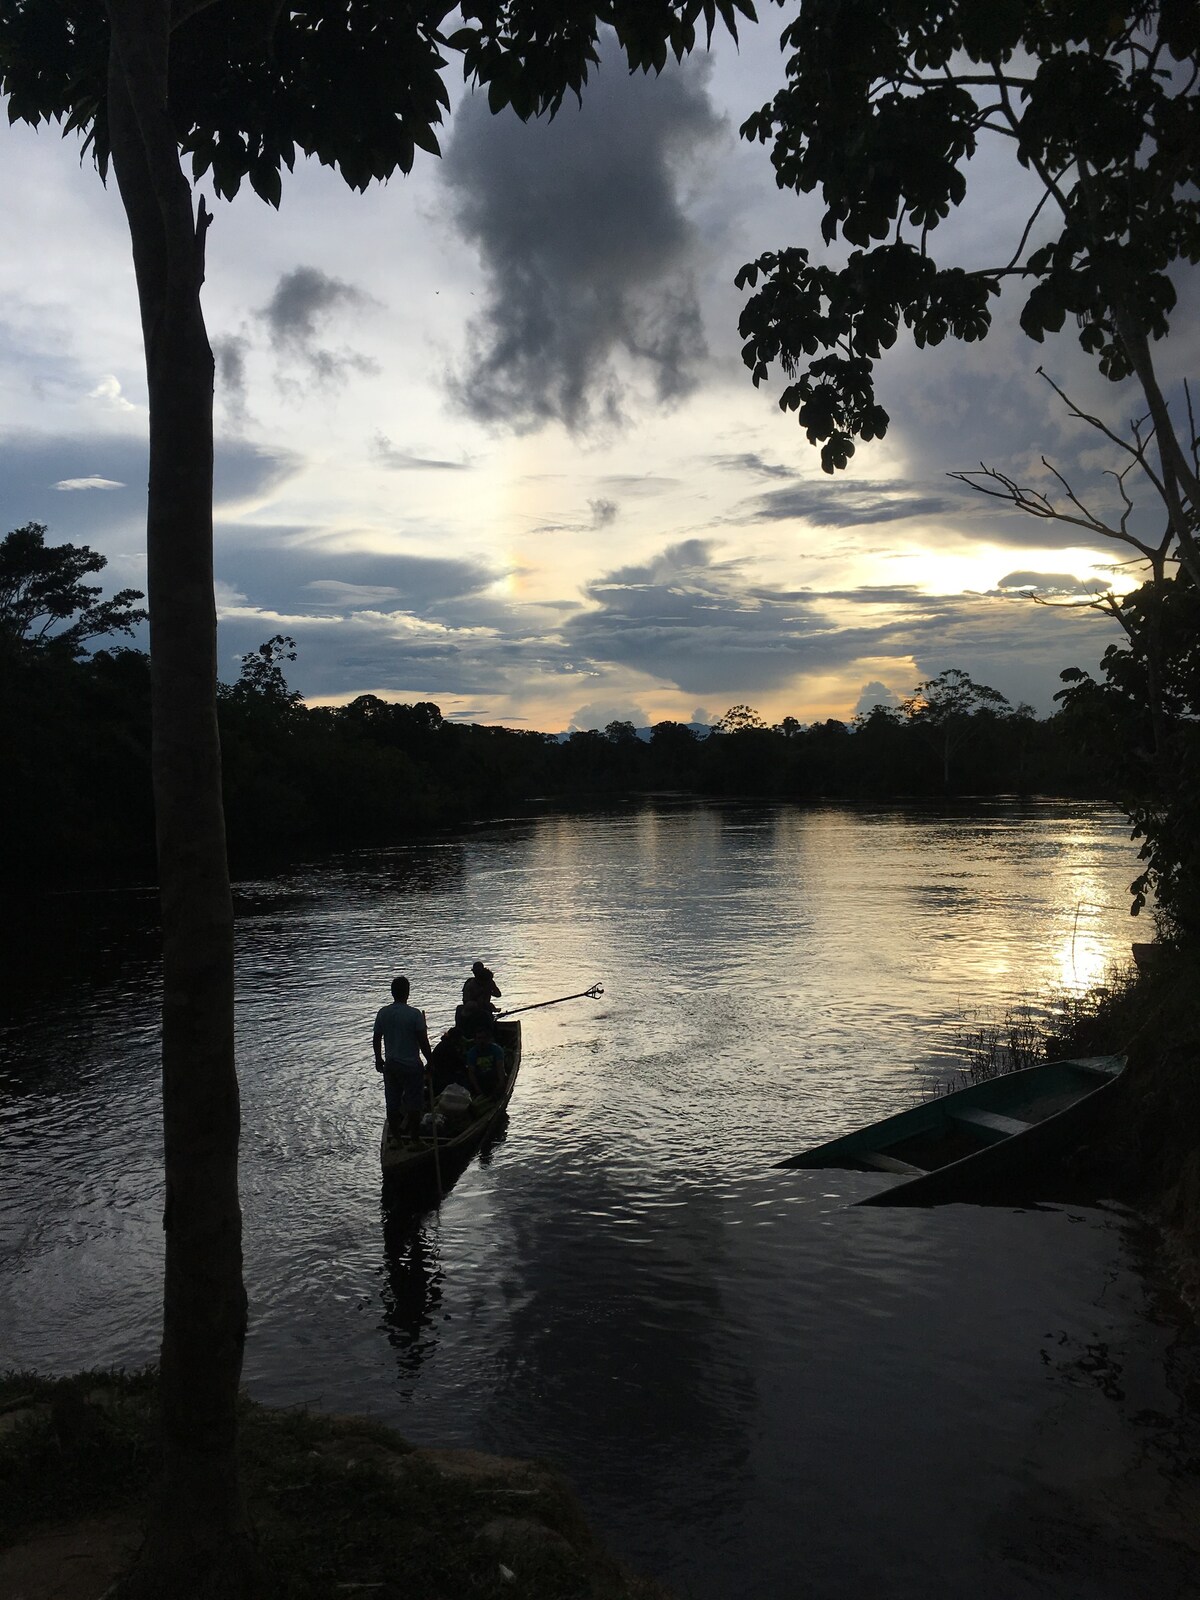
(400, 1031)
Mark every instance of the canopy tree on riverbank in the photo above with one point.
(885, 105)
(240, 89)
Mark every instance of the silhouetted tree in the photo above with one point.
(886, 102)
(1154, 759)
(947, 709)
(738, 719)
(44, 603)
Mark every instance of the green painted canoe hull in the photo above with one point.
(960, 1146)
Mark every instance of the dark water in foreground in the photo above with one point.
(756, 1390)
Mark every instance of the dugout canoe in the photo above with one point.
(414, 1166)
(971, 1144)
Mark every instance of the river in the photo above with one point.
(755, 1389)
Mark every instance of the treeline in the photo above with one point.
(300, 779)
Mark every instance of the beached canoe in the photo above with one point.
(416, 1165)
(965, 1145)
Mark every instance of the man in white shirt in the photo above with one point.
(400, 1032)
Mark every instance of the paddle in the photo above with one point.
(593, 993)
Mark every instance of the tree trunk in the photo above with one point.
(198, 1541)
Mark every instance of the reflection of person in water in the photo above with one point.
(413, 1288)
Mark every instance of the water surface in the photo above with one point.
(756, 1389)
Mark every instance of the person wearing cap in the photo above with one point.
(477, 994)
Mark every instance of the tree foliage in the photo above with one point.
(44, 602)
(361, 86)
(886, 104)
(1141, 718)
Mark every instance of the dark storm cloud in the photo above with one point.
(585, 247)
(700, 623)
(386, 453)
(843, 503)
(305, 301)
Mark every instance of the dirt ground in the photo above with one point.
(515, 1521)
(77, 1561)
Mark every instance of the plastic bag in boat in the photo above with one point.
(454, 1100)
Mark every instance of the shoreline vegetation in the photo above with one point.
(301, 781)
(1144, 1151)
(339, 1505)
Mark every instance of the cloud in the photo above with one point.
(304, 302)
(383, 451)
(1049, 584)
(409, 639)
(299, 570)
(36, 469)
(599, 713)
(109, 391)
(644, 485)
(586, 250)
(229, 353)
(602, 513)
(750, 461)
(708, 626)
(872, 695)
(843, 503)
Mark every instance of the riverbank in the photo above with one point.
(339, 1504)
(1150, 1142)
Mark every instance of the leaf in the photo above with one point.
(266, 182)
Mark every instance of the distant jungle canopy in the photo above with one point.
(75, 730)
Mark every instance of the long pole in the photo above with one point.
(437, 1160)
(593, 993)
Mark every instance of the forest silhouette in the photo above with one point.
(301, 779)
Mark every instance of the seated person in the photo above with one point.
(485, 1063)
(447, 1064)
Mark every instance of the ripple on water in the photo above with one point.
(745, 1378)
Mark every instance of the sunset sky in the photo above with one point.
(485, 437)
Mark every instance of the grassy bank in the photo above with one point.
(1147, 1149)
(339, 1504)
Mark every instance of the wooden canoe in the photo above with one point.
(414, 1165)
(962, 1146)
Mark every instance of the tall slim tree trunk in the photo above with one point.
(198, 1541)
